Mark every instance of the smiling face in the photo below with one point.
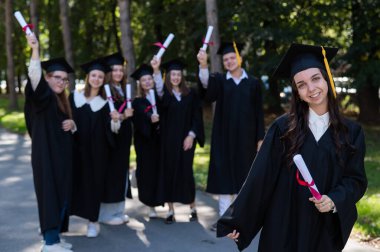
(312, 88)
(96, 78)
(230, 62)
(57, 80)
(146, 82)
(175, 77)
(117, 73)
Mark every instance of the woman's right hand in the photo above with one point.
(202, 58)
(234, 235)
(155, 118)
(32, 41)
(155, 63)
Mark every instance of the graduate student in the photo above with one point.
(93, 143)
(181, 129)
(50, 125)
(274, 196)
(238, 126)
(116, 179)
(147, 139)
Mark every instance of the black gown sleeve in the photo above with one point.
(260, 113)
(352, 185)
(142, 118)
(214, 87)
(197, 119)
(247, 213)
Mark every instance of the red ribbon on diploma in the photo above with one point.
(30, 26)
(210, 43)
(122, 107)
(149, 108)
(159, 45)
(315, 194)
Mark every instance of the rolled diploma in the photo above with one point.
(208, 36)
(128, 94)
(153, 100)
(300, 163)
(109, 97)
(22, 22)
(166, 44)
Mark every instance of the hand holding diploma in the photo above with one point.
(25, 27)
(165, 45)
(109, 97)
(300, 163)
(207, 38)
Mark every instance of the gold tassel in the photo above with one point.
(328, 71)
(237, 54)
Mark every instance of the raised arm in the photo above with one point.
(203, 68)
(34, 70)
(157, 76)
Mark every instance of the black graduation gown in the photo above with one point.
(118, 170)
(237, 127)
(51, 155)
(272, 199)
(177, 119)
(93, 142)
(147, 146)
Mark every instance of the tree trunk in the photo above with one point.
(212, 19)
(10, 63)
(67, 40)
(115, 26)
(126, 37)
(34, 16)
(368, 100)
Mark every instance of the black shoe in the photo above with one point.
(170, 219)
(193, 216)
(213, 227)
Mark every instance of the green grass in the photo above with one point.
(12, 120)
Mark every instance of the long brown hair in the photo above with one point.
(298, 123)
(123, 83)
(182, 86)
(62, 100)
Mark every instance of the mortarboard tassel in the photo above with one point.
(328, 71)
(237, 54)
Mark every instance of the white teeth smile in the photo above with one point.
(315, 95)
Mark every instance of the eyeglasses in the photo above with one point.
(59, 79)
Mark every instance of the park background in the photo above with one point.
(87, 29)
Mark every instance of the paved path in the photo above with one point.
(19, 221)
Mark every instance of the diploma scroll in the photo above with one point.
(153, 101)
(300, 163)
(22, 22)
(128, 95)
(165, 45)
(109, 97)
(207, 38)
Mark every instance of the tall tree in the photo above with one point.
(364, 55)
(66, 35)
(126, 35)
(10, 63)
(212, 19)
(34, 16)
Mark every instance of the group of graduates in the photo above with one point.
(81, 148)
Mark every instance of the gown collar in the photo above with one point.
(95, 104)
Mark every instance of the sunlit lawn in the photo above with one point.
(369, 207)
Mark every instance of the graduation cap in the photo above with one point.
(231, 47)
(57, 64)
(114, 59)
(175, 64)
(300, 57)
(228, 47)
(97, 64)
(144, 69)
